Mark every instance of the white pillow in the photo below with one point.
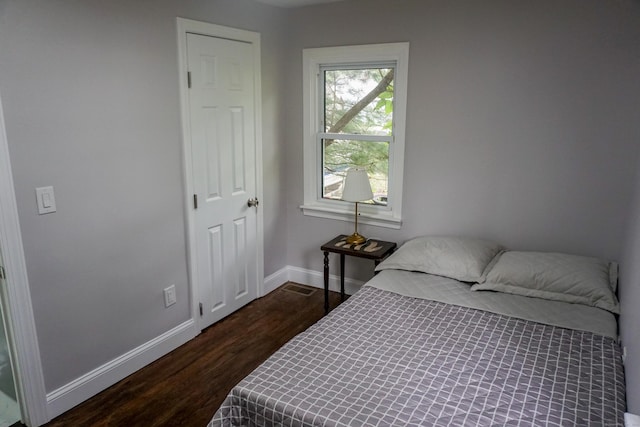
(561, 277)
(459, 258)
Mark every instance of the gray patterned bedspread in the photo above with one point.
(383, 359)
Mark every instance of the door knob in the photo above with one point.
(253, 203)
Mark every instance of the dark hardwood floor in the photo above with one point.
(185, 387)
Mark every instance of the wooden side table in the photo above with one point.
(376, 250)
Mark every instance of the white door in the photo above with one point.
(223, 155)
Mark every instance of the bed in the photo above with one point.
(451, 331)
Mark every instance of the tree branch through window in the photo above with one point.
(360, 105)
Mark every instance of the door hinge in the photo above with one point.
(189, 79)
(201, 310)
(2, 274)
(195, 201)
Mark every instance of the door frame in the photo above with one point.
(185, 26)
(19, 310)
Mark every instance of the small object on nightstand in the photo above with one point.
(373, 247)
(376, 250)
(358, 247)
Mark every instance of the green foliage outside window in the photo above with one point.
(359, 104)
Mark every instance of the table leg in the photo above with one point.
(326, 282)
(341, 277)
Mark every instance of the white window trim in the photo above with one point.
(314, 205)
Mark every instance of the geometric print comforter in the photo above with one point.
(383, 359)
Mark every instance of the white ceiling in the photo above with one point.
(294, 3)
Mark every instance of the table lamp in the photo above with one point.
(356, 189)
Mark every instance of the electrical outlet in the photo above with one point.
(170, 295)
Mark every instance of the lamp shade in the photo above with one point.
(356, 186)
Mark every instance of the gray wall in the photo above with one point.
(629, 300)
(522, 127)
(90, 90)
(522, 119)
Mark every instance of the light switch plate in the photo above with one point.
(46, 200)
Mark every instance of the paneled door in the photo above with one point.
(223, 156)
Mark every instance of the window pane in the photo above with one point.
(340, 155)
(359, 101)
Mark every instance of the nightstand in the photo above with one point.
(373, 249)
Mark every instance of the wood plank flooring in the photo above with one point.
(185, 387)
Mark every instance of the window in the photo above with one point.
(357, 125)
(355, 103)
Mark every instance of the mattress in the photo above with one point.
(444, 289)
(385, 359)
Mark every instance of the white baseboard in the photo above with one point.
(310, 278)
(275, 280)
(90, 384)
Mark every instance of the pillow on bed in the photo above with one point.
(459, 258)
(554, 276)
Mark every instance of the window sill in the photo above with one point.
(378, 219)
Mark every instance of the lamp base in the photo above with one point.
(356, 239)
